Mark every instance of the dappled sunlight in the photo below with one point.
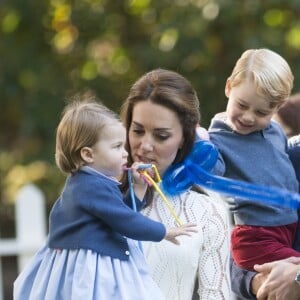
(27, 79)
(274, 17)
(199, 3)
(137, 6)
(89, 70)
(96, 5)
(10, 21)
(120, 64)
(293, 37)
(168, 39)
(64, 40)
(67, 33)
(106, 57)
(210, 11)
(20, 175)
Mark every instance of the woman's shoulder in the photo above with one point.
(211, 201)
(211, 210)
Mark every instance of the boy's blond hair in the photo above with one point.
(269, 72)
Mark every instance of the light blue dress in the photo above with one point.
(86, 275)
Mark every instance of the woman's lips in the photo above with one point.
(144, 159)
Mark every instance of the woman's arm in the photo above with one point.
(213, 270)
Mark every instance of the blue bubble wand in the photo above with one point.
(195, 170)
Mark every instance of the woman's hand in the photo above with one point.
(185, 229)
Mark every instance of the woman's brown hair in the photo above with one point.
(173, 91)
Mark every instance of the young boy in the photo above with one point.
(253, 148)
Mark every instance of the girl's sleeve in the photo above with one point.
(107, 204)
(213, 271)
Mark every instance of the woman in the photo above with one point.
(161, 114)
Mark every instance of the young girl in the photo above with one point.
(91, 252)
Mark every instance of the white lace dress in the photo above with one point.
(204, 257)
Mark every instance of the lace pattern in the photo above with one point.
(203, 257)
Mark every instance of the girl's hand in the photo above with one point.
(136, 173)
(139, 184)
(185, 229)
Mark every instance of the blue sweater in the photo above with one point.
(241, 279)
(294, 154)
(261, 158)
(91, 214)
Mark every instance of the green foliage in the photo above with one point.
(53, 48)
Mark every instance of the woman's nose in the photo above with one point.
(146, 144)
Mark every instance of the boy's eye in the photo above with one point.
(242, 106)
(262, 114)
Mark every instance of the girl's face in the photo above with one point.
(155, 135)
(108, 155)
(246, 110)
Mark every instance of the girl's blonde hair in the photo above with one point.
(80, 126)
(269, 72)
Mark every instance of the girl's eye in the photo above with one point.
(118, 146)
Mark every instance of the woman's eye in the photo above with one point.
(138, 131)
(162, 137)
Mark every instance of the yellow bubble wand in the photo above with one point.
(150, 180)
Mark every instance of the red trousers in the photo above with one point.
(252, 245)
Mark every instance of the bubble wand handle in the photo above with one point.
(157, 188)
(130, 181)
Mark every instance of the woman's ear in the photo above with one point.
(87, 154)
(227, 88)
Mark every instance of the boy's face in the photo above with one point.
(247, 111)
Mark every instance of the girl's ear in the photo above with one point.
(87, 154)
(227, 88)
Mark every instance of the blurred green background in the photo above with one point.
(52, 49)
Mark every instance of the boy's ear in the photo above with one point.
(227, 88)
(87, 154)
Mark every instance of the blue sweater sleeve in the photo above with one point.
(106, 203)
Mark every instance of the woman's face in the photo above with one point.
(155, 135)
